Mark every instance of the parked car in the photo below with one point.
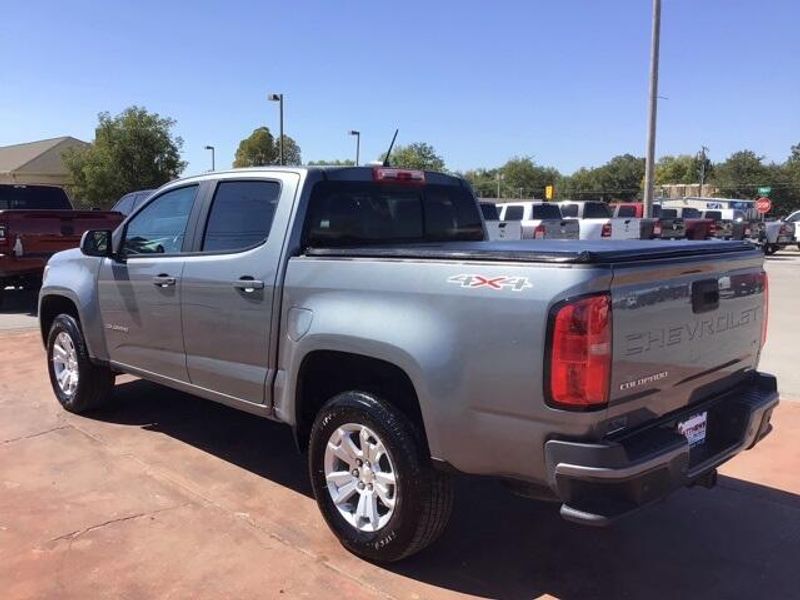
(597, 222)
(696, 226)
(36, 221)
(794, 218)
(365, 309)
(773, 236)
(539, 220)
(663, 228)
(495, 228)
(130, 202)
(729, 223)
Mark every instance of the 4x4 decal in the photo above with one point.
(515, 284)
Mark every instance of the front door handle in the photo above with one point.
(163, 280)
(248, 284)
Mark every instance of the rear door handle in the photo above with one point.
(248, 284)
(164, 280)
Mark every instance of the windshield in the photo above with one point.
(514, 213)
(569, 210)
(626, 210)
(36, 197)
(351, 213)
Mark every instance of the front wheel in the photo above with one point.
(770, 249)
(373, 481)
(78, 384)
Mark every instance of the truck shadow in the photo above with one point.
(735, 541)
(19, 302)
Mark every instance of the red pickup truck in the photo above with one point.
(36, 221)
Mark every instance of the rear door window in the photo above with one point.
(241, 215)
(349, 213)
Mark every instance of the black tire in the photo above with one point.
(424, 496)
(770, 249)
(95, 382)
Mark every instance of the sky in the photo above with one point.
(563, 82)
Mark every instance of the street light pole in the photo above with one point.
(649, 165)
(358, 143)
(279, 99)
(213, 162)
(703, 150)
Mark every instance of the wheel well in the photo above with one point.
(51, 307)
(325, 374)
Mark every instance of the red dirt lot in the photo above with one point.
(166, 495)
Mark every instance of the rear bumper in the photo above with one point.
(598, 483)
(12, 266)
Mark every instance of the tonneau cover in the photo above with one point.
(549, 251)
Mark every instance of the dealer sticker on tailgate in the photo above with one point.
(694, 429)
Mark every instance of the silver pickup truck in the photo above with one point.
(364, 308)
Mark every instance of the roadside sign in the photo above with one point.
(764, 191)
(549, 192)
(763, 205)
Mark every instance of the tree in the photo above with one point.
(683, 168)
(261, 148)
(524, 177)
(742, 174)
(132, 151)
(620, 178)
(336, 163)
(417, 155)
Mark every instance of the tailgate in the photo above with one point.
(684, 329)
(561, 229)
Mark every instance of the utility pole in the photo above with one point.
(649, 165)
(498, 185)
(279, 99)
(703, 150)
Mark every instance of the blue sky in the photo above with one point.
(564, 82)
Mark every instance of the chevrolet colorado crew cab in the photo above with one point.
(359, 305)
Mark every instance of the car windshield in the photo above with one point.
(569, 210)
(33, 197)
(351, 213)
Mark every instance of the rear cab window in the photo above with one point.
(546, 211)
(357, 213)
(569, 210)
(33, 197)
(514, 213)
(626, 211)
(596, 210)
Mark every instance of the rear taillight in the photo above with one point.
(579, 371)
(606, 232)
(3, 234)
(765, 320)
(539, 232)
(657, 229)
(391, 175)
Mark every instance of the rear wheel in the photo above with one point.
(78, 384)
(373, 480)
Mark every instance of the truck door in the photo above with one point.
(229, 284)
(139, 297)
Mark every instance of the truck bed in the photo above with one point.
(542, 251)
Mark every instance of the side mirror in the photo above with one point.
(97, 242)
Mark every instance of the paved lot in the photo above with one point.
(167, 495)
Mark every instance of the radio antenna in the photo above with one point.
(389, 151)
